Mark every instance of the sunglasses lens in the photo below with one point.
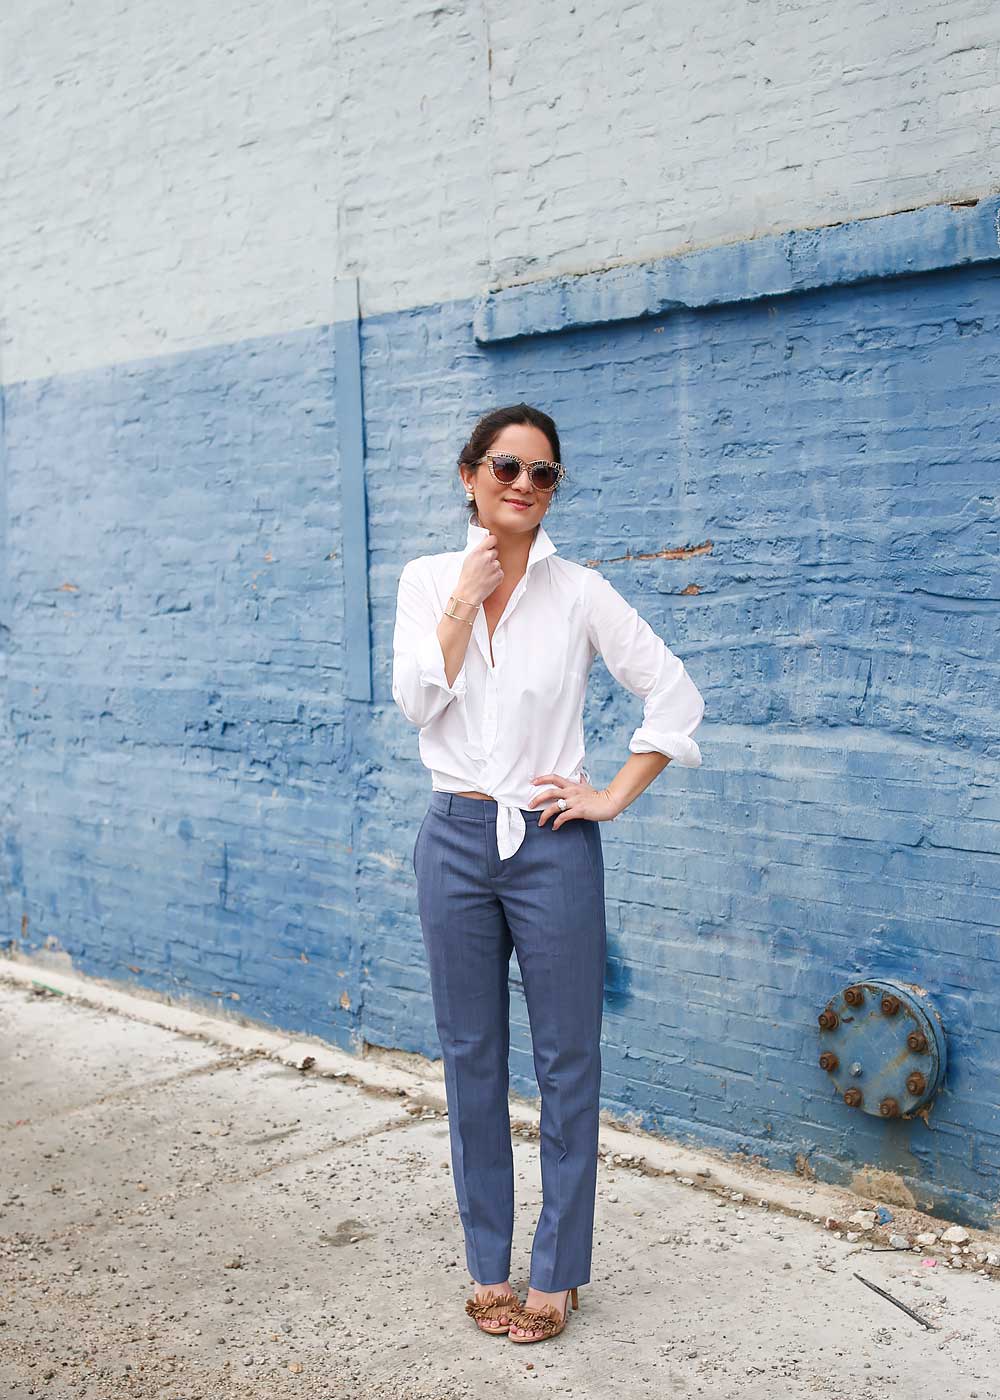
(507, 469)
(544, 475)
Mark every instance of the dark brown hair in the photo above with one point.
(492, 424)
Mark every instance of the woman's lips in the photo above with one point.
(518, 505)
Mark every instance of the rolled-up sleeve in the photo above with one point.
(642, 662)
(419, 685)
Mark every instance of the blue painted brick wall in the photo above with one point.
(190, 803)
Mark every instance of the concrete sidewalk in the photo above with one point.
(186, 1212)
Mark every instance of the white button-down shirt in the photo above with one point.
(515, 710)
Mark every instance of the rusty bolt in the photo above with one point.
(828, 1060)
(890, 1005)
(855, 996)
(916, 1083)
(828, 1019)
(889, 1108)
(917, 1041)
(853, 1098)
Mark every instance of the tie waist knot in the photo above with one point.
(510, 829)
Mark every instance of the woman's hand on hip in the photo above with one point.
(582, 800)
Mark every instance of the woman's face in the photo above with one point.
(493, 500)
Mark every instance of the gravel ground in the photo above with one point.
(183, 1221)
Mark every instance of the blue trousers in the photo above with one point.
(546, 902)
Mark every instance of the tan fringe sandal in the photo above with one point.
(544, 1320)
(495, 1305)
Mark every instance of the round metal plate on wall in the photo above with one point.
(883, 1046)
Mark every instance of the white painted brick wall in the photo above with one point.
(187, 174)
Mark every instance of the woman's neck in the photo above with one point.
(513, 551)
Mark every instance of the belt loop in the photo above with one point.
(450, 799)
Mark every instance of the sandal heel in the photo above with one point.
(572, 1294)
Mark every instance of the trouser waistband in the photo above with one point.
(480, 808)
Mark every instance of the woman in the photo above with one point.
(491, 652)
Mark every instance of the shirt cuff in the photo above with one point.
(430, 666)
(679, 747)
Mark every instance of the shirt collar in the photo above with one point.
(541, 546)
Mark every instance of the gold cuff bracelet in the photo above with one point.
(455, 599)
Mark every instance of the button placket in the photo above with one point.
(490, 713)
(491, 707)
